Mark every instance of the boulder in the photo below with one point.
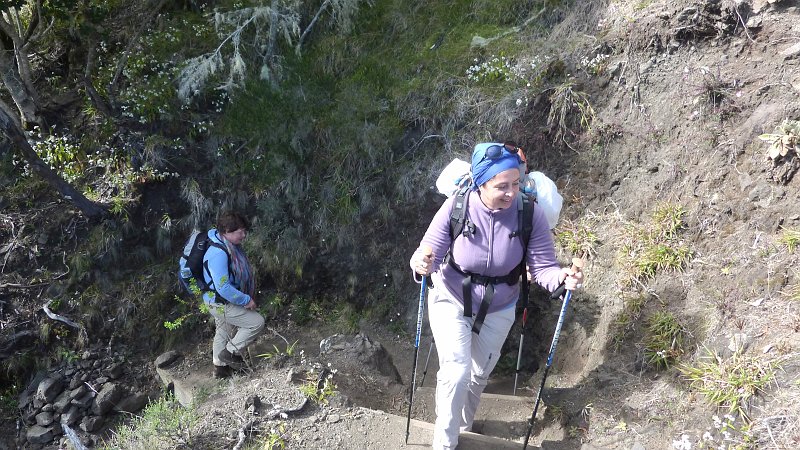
(84, 402)
(49, 389)
(79, 391)
(91, 423)
(167, 359)
(62, 401)
(72, 415)
(107, 398)
(44, 419)
(132, 403)
(39, 435)
(115, 371)
(362, 349)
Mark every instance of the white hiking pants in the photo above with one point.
(237, 327)
(465, 362)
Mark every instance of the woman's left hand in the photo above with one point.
(572, 279)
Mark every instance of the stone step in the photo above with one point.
(421, 436)
(187, 385)
(514, 410)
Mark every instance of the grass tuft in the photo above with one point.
(570, 111)
(664, 340)
(790, 238)
(578, 238)
(654, 247)
(624, 324)
(730, 383)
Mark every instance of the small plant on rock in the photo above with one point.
(728, 434)
(275, 439)
(784, 141)
(319, 395)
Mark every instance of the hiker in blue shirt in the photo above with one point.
(232, 298)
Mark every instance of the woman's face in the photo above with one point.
(500, 191)
(235, 237)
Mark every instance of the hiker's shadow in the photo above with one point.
(620, 392)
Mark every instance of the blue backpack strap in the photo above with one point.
(211, 286)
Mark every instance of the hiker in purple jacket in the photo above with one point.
(485, 255)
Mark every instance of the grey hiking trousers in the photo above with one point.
(237, 328)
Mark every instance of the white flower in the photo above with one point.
(519, 101)
(683, 443)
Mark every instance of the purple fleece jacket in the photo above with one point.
(490, 251)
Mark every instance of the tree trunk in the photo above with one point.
(103, 106)
(11, 129)
(10, 77)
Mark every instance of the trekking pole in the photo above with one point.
(427, 360)
(519, 351)
(577, 264)
(427, 251)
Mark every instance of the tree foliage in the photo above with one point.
(255, 36)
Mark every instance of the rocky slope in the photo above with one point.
(680, 93)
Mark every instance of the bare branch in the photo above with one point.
(58, 317)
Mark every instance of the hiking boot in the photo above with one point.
(222, 371)
(233, 361)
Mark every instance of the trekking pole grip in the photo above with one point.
(426, 250)
(577, 266)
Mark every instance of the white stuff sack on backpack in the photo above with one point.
(547, 197)
(457, 175)
(453, 177)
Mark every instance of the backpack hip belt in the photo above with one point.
(483, 280)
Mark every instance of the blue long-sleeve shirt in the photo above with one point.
(223, 281)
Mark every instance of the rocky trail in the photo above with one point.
(367, 412)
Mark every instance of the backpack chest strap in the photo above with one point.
(483, 280)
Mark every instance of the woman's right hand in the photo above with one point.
(423, 263)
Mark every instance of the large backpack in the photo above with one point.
(191, 264)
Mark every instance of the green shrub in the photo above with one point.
(164, 424)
